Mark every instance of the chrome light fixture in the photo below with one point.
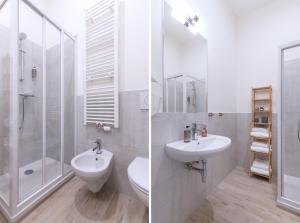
(183, 14)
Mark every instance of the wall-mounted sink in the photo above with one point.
(197, 150)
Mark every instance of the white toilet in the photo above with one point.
(94, 169)
(138, 175)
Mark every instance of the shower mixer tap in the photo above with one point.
(24, 96)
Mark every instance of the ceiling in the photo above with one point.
(241, 7)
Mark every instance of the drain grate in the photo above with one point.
(28, 172)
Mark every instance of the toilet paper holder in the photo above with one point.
(105, 128)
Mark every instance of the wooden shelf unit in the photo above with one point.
(264, 101)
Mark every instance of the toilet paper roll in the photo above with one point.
(106, 128)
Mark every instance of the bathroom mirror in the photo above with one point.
(184, 61)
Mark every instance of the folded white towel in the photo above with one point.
(260, 144)
(260, 171)
(261, 164)
(260, 134)
(263, 130)
(259, 149)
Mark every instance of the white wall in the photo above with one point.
(292, 54)
(221, 40)
(260, 34)
(134, 40)
(194, 58)
(172, 56)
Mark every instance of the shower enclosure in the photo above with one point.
(289, 129)
(185, 93)
(37, 106)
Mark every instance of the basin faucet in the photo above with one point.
(98, 147)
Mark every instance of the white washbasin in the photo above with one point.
(197, 150)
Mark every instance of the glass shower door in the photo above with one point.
(30, 87)
(5, 102)
(47, 102)
(290, 124)
(69, 102)
(53, 103)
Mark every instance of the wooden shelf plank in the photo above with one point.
(260, 123)
(262, 175)
(262, 88)
(263, 99)
(265, 111)
(261, 138)
(268, 153)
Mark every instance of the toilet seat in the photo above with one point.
(138, 174)
(142, 190)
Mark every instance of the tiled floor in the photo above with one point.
(74, 203)
(241, 199)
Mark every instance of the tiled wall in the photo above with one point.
(126, 142)
(177, 192)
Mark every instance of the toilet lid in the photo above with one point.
(138, 172)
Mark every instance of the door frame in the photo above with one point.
(281, 200)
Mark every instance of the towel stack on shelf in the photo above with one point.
(260, 132)
(260, 147)
(260, 166)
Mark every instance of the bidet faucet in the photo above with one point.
(98, 147)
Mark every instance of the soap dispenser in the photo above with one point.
(187, 134)
(204, 131)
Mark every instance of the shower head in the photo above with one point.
(22, 36)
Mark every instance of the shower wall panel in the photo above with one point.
(53, 102)
(4, 112)
(69, 103)
(4, 98)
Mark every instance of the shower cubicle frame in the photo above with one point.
(184, 76)
(14, 210)
(281, 200)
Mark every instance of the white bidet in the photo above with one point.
(94, 169)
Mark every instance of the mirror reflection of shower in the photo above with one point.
(191, 98)
(185, 93)
(22, 37)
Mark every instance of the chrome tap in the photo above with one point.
(98, 147)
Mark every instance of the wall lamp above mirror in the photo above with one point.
(184, 15)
